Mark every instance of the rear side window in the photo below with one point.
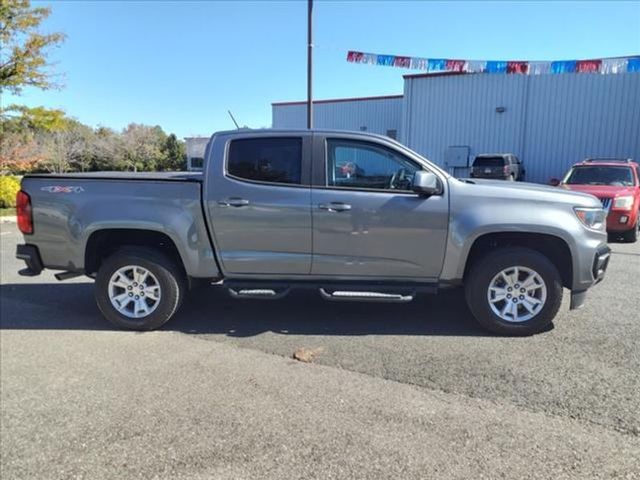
(489, 162)
(272, 160)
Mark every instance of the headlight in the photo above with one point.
(593, 218)
(624, 203)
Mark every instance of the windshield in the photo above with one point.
(488, 162)
(600, 175)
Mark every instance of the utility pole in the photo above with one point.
(309, 63)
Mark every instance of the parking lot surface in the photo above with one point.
(396, 391)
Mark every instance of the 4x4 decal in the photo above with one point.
(62, 189)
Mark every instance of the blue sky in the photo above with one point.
(181, 65)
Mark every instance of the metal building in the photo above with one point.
(548, 121)
(195, 147)
(381, 115)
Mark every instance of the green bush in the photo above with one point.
(9, 186)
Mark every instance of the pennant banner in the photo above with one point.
(439, 65)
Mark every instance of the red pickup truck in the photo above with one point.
(616, 182)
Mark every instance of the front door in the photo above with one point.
(367, 222)
(259, 200)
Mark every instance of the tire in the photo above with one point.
(485, 272)
(164, 279)
(631, 236)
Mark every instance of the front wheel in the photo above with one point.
(139, 288)
(514, 291)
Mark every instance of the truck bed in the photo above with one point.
(71, 211)
(154, 176)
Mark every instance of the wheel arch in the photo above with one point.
(104, 242)
(556, 249)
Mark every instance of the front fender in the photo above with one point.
(484, 218)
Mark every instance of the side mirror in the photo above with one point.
(554, 182)
(426, 183)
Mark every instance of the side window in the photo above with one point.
(268, 159)
(354, 164)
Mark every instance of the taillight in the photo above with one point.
(23, 212)
(505, 169)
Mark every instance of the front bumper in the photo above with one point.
(598, 270)
(31, 256)
(621, 220)
(600, 263)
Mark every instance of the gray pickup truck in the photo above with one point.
(353, 215)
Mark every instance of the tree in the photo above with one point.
(36, 118)
(23, 62)
(19, 153)
(174, 154)
(63, 148)
(81, 157)
(143, 146)
(21, 148)
(107, 150)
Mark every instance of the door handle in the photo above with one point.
(233, 202)
(335, 207)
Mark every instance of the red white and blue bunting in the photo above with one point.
(440, 65)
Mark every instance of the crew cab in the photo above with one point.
(616, 182)
(352, 215)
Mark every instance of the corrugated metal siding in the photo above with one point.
(550, 121)
(461, 110)
(377, 115)
(572, 117)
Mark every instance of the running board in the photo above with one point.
(371, 291)
(262, 293)
(360, 296)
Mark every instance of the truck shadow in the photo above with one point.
(72, 307)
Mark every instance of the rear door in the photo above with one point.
(258, 196)
(366, 220)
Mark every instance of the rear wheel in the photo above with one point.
(514, 291)
(139, 288)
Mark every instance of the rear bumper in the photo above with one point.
(31, 257)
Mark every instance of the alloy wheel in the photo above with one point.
(134, 291)
(517, 294)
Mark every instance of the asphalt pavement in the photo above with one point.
(396, 391)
